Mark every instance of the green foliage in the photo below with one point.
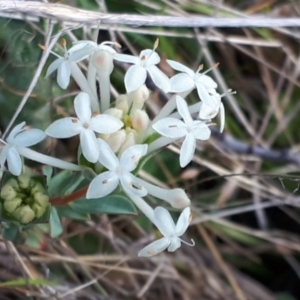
(56, 228)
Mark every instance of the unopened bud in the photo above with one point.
(8, 192)
(38, 210)
(122, 103)
(178, 198)
(115, 112)
(103, 61)
(11, 205)
(25, 181)
(37, 188)
(138, 97)
(140, 120)
(129, 141)
(116, 139)
(24, 214)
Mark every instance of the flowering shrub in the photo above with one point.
(116, 137)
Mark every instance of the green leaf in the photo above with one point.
(11, 232)
(21, 282)
(68, 212)
(55, 224)
(113, 204)
(48, 171)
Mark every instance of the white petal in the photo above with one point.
(63, 74)
(105, 124)
(201, 131)
(14, 161)
(29, 137)
(53, 66)
(175, 243)
(82, 105)
(3, 156)
(131, 157)
(79, 52)
(151, 57)
(181, 83)
(170, 127)
(107, 48)
(159, 78)
(207, 112)
(204, 95)
(89, 145)
(15, 131)
(187, 150)
(207, 81)
(180, 67)
(155, 248)
(64, 128)
(183, 221)
(164, 221)
(126, 58)
(184, 110)
(135, 77)
(107, 157)
(132, 186)
(102, 185)
(222, 116)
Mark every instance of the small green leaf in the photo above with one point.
(113, 204)
(11, 232)
(21, 282)
(68, 212)
(48, 171)
(55, 224)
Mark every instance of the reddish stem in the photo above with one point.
(60, 201)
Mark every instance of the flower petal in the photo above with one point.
(207, 81)
(15, 131)
(131, 157)
(181, 83)
(207, 112)
(187, 150)
(204, 95)
(63, 74)
(131, 185)
(64, 128)
(135, 77)
(222, 117)
(89, 145)
(3, 156)
(150, 57)
(184, 110)
(107, 157)
(81, 51)
(201, 131)
(29, 137)
(53, 66)
(14, 161)
(164, 221)
(180, 67)
(175, 243)
(126, 58)
(105, 124)
(159, 78)
(155, 247)
(183, 221)
(82, 105)
(102, 185)
(170, 127)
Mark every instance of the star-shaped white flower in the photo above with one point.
(63, 63)
(188, 80)
(18, 139)
(165, 224)
(85, 125)
(136, 75)
(119, 171)
(188, 128)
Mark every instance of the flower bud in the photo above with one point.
(38, 210)
(129, 141)
(37, 188)
(138, 97)
(115, 112)
(24, 214)
(122, 103)
(11, 205)
(8, 192)
(140, 120)
(116, 139)
(178, 198)
(103, 61)
(25, 181)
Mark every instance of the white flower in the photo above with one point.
(85, 125)
(63, 63)
(119, 171)
(188, 128)
(165, 224)
(136, 75)
(18, 139)
(189, 79)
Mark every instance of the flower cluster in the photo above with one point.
(114, 134)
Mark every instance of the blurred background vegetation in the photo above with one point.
(243, 250)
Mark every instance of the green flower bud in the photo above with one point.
(11, 205)
(25, 181)
(41, 199)
(37, 188)
(38, 210)
(24, 214)
(8, 192)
